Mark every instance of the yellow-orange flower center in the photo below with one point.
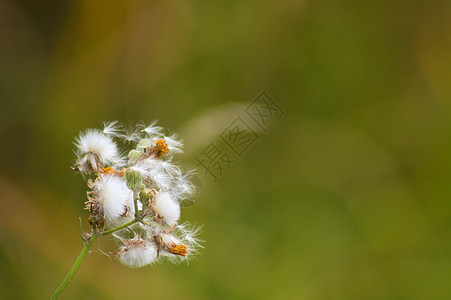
(178, 249)
(161, 147)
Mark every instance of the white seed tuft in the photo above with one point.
(114, 196)
(167, 208)
(137, 253)
(95, 149)
(111, 128)
(153, 130)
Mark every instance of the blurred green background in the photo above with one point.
(346, 197)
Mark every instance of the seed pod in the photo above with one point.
(133, 156)
(134, 180)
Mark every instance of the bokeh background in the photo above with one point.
(347, 196)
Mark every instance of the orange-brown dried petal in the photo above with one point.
(112, 171)
(161, 147)
(181, 249)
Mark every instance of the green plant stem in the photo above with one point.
(119, 227)
(87, 246)
(135, 200)
(75, 267)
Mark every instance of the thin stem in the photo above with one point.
(135, 199)
(87, 246)
(75, 267)
(120, 227)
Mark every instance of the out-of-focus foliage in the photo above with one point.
(346, 197)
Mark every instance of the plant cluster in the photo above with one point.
(136, 195)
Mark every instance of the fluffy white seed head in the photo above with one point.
(96, 142)
(114, 196)
(137, 252)
(96, 149)
(167, 207)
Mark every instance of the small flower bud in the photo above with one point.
(145, 196)
(134, 180)
(143, 144)
(133, 156)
